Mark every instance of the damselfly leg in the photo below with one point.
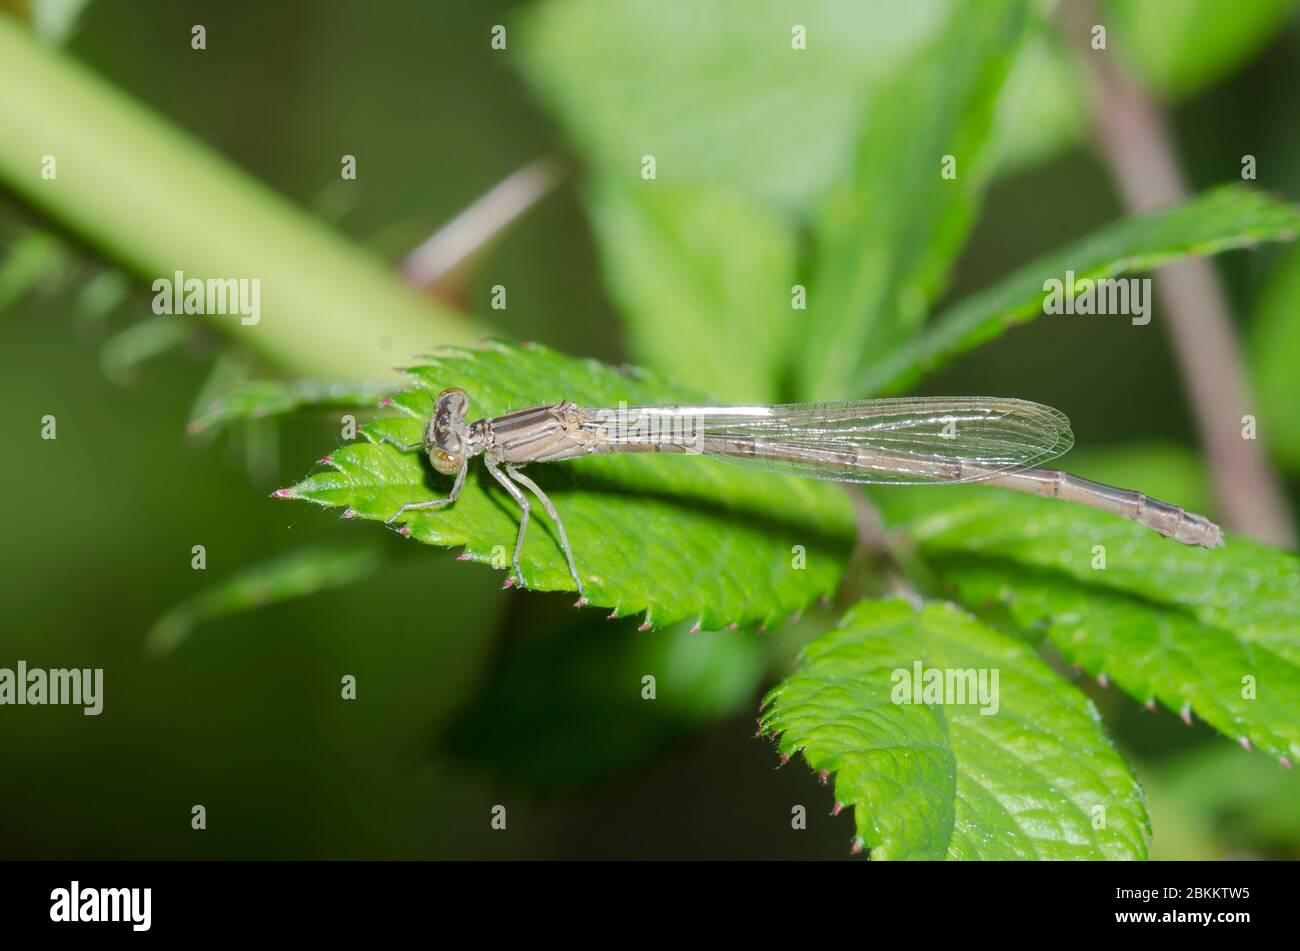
(524, 507)
(555, 517)
(434, 503)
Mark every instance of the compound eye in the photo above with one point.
(448, 441)
(454, 401)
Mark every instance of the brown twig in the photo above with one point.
(1135, 145)
(874, 559)
(439, 263)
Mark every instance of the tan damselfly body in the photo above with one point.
(925, 440)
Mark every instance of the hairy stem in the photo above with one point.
(157, 201)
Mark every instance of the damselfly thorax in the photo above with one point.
(925, 440)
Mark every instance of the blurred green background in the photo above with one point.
(469, 696)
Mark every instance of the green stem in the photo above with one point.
(157, 201)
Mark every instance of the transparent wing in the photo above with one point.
(901, 441)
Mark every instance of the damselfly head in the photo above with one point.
(447, 438)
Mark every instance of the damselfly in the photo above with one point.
(933, 440)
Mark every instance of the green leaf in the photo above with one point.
(1232, 216)
(704, 279)
(680, 538)
(1180, 48)
(1275, 355)
(887, 237)
(1048, 88)
(567, 710)
(123, 352)
(1177, 48)
(102, 293)
(929, 781)
(1166, 622)
(262, 399)
(715, 91)
(33, 257)
(294, 575)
